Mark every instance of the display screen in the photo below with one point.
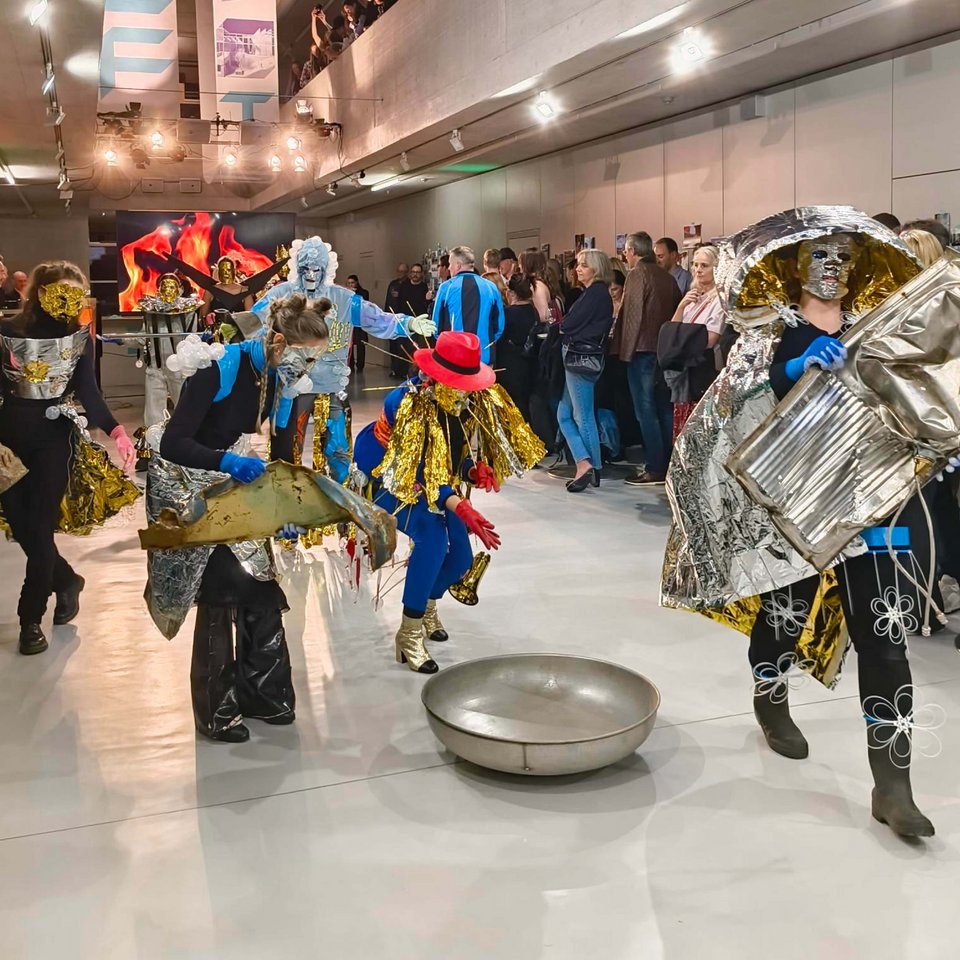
(146, 238)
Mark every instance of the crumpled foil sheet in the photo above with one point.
(173, 576)
(846, 448)
(41, 369)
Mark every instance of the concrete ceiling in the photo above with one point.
(612, 87)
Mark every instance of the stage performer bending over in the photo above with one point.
(205, 439)
(450, 426)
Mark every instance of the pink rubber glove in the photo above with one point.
(125, 447)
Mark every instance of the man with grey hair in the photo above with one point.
(469, 303)
(650, 298)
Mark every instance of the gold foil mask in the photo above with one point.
(62, 301)
(226, 270)
(168, 288)
(824, 265)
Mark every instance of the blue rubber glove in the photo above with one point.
(952, 464)
(290, 531)
(243, 469)
(828, 353)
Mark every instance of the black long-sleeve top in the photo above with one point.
(83, 383)
(590, 318)
(200, 431)
(793, 344)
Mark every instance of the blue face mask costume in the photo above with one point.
(313, 269)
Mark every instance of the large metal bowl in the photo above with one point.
(541, 714)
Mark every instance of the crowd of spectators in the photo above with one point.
(598, 353)
(331, 33)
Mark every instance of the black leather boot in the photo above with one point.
(264, 684)
(68, 602)
(783, 736)
(892, 799)
(213, 677)
(32, 639)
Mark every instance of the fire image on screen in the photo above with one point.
(146, 239)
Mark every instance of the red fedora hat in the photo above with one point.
(455, 362)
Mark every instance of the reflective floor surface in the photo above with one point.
(353, 835)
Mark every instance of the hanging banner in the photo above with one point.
(138, 57)
(237, 46)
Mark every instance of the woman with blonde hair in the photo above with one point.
(584, 330)
(924, 245)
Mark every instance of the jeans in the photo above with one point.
(654, 412)
(578, 419)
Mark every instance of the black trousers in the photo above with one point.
(32, 506)
(880, 608)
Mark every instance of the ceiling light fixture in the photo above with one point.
(111, 156)
(404, 162)
(49, 81)
(660, 20)
(7, 174)
(690, 50)
(386, 184)
(156, 138)
(356, 178)
(299, 164)
(36, 11)
(456, 141)
(230, 158)
(543, 107)
(293, 143)
(64, 182)
(305, 203)
(275, 163)
(304, 110)
(332, 188)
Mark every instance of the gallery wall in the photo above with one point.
(876, 137)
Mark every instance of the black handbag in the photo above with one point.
(584, 359)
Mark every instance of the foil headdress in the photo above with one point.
(313, 265)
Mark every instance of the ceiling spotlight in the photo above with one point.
(139, 157)
(543, 106)
(304, 110)
(304, 203)
(230, 158)
(55, 115)
(404, 162)
(332, 188)
(111, 156)
(299, 164)
(156, 138)
(355, 178)
(36, 11)
(64, 182)
(49, 82)
(275, 163)
(293, 143)
(691, 50)
(456, 141)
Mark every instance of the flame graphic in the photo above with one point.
(193, 240)
(248, 261)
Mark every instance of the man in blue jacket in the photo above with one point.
(469, 304)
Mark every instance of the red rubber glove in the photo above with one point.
(125, 447)
(482, 476)
(478, 525)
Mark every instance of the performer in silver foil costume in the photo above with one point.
(792, 284)
(225, 399)
(47, 360)
(167, 318)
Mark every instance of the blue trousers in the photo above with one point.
(441, 550)
(654, 412)
(578, 419)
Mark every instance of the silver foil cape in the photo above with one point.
(845, 449)
(41, 369)
(722, 546)
(173, 576)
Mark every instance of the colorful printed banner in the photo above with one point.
(138, 56)
(237, 45)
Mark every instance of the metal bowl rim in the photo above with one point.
(544, 743)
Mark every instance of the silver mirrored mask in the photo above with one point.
(296, 363)
(824, 266)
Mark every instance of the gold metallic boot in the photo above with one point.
(432, 626)
(411, 649)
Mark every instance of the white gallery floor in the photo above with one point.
(352, 834)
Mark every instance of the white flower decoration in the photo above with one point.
(776, 680)
(902, 727)
(894, 613)
(786, 614)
